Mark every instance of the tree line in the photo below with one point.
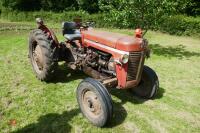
(188, 7)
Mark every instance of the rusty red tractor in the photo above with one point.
(111, 60)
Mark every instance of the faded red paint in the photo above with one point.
(114, 40)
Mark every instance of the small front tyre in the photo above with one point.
(95, 102)
(149, 84)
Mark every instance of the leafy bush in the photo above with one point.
(180, 25)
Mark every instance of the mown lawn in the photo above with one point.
(28, 105)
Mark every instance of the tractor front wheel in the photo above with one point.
(149, 84)
(94, 101)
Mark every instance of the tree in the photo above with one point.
(90, 6)
(136, 13)
(24, 5)
(193, 8)
(58, 5)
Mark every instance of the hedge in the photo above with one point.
(180, 25)
(17, 16)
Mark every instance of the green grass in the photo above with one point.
(51, 107)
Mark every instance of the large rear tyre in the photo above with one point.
(41, 53)
(95, 102)
(148, 85)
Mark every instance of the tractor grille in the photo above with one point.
(133, 65)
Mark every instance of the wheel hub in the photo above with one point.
(91, 103)
(37, 55)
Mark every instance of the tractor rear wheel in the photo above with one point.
(148, 85)
(94, 101)
(41, 54)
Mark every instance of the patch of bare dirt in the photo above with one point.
(130, 126)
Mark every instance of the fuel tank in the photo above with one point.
(114, 40)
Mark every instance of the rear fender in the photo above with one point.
(53, 35)
(50, 34)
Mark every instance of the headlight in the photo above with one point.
(124, 58)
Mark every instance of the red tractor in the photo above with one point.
(111, 60)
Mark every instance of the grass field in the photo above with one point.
(28, 105)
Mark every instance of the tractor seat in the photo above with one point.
(70, 32)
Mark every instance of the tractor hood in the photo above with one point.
(114, 40)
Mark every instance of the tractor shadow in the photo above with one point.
(51, 123)
(128, 96)
(178, 51)
(62, 123)
(119, 112)
(119, 115)
(64, 74)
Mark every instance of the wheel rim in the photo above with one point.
(91, 104)
(37, 58)
(155, 88)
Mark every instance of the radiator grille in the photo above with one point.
(133, 64)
